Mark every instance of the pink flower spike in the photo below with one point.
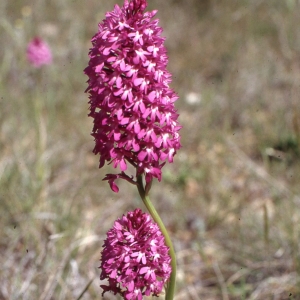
(39, 53)
(131, 102)
(132, 267)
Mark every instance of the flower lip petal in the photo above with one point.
(151, 96)
(138, 81)
(144, 270)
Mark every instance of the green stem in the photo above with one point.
(172, 281)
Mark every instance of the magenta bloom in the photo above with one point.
(135, 259)
(135, 120)
(39, 53)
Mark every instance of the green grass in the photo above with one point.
(231, 199)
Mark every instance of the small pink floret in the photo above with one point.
(39, 53)
(130, 262)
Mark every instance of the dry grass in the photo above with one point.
(231, 200)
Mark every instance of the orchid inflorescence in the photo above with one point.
(135, 120)
(135, 259)
(38, 53)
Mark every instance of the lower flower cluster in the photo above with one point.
(135, 259)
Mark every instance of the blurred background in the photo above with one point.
(231, 199)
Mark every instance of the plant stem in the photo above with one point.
(170, 291)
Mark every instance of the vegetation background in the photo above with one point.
(231, 199)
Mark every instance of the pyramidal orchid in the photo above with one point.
(131, 102)
(38, 53)
(135, 122)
